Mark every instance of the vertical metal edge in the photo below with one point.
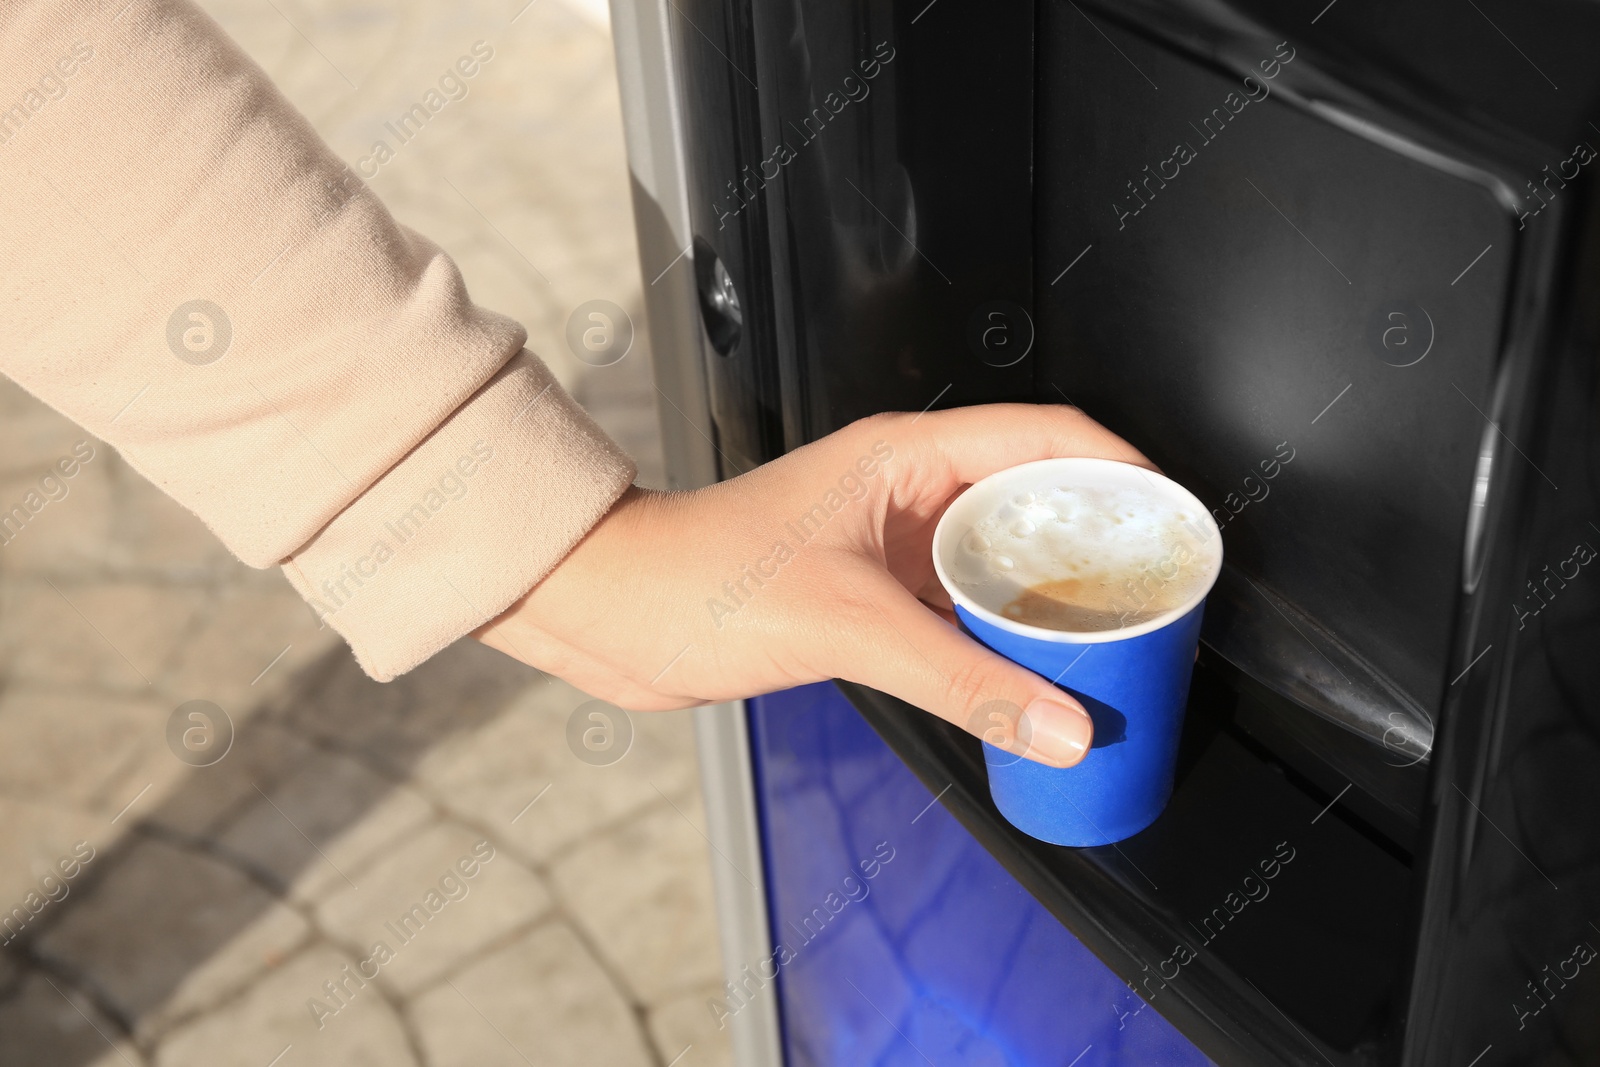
(738, 873)
(652, 126)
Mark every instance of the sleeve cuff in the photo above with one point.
(467, 523)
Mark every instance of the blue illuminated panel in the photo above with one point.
(899, 939)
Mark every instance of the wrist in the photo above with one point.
(612, 536)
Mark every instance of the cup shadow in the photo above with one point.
(1110, 725)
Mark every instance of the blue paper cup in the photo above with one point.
(1133, 680)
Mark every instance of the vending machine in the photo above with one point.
(1331, 265)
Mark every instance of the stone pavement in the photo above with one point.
(308, 867)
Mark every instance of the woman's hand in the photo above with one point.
(810, 567)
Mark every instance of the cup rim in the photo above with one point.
(1074, 637)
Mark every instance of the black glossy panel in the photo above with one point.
(1324, 937)
(1513, 899)
(1513, 69)
(716, 66)
(1221, 311)
(906, 207)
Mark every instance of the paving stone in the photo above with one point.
(10, 971)
(154, 531)
(192, 801)
(685, 1027)
(317, 826)
(116, 634)
(144, 621)
(67, 534)
(260, 945)
(423, 873)
(59, 1026)
(542, 999)
(393, 724)
(33, 437)
(654, 924)
(273, 1015)
(169, 929)
(491, 774)
(69, 748)
(234, 657)
(15, 401)
(37, 838)
(43, 640)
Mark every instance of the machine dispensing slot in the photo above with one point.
(1275, 643)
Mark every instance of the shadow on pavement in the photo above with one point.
(205, 864)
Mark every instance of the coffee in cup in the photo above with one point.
(1086, 558)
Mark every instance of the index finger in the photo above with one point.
(978, 441)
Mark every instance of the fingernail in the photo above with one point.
(1056, 732)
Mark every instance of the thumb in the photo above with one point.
(910, 652)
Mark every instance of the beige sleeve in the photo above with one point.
(188, 272)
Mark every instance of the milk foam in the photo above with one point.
(1106, 557)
